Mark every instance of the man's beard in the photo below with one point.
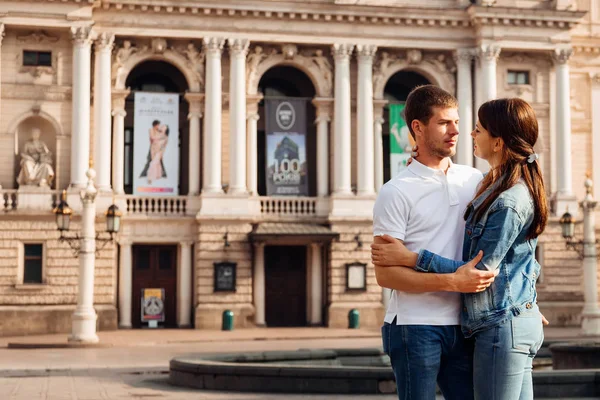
(439, 150)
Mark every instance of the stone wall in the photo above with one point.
(340, 301)
(210, 248)
(57, 296)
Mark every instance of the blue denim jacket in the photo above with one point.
(502, 235)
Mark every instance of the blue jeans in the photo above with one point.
(504, 355)
(423, 354)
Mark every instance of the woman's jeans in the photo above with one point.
(503, 357)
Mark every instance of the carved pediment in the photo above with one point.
(37, 37)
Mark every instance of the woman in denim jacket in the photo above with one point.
(504, 220)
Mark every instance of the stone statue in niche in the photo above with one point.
(36, 162)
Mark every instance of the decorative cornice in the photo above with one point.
(368, 16)
(586, 50)
(482, 16)
(38, 36)
(562, 56)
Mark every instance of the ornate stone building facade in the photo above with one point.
(348, 59)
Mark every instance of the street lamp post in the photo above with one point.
(84, 246)
(587, 249)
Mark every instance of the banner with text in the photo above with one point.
(155, 144)
(400, 140)
(286, 147)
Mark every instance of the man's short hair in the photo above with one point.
(421, 101)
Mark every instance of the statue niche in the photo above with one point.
(36, 162)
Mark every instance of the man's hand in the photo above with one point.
(392, 252)
(468, 279)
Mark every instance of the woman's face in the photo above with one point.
(483, 143)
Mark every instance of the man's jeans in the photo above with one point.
(504, 356)
(423, 354)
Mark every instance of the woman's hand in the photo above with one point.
(392, 253)
(414, 154)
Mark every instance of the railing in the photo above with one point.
(288, 206)
(9, 200)
(156, 206)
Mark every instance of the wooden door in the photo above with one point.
(285, 285)
(155, 266)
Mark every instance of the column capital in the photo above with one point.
(324, 109)
(196, 103)
(259, 245)
(316, 245)
(213, 45)
(595, 79)
(342, 51)
(252, 101)
(488, 52)
(378, 106)
(366, 52)
(118, 99)
(238, 46)
(125, 241)
(187, 243)
(561, 56)
(104, 41)
(81, 35)
(464, 55)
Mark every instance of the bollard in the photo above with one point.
(227, 320)
(353, 319)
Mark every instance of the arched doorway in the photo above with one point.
(161, 77)
(396, 91)
(286, 82)
(285, 264)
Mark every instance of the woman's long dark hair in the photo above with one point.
(514, 121)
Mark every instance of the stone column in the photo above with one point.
(378, 140)
(252, 118)
(364, 123)
(118, 140)
(125, 288)
(488, 57)
(342, 130)
(564, 195)
(195, 114)
(323, 107)
(184, 286)
(258, 284)
(590, 315)
(80, 115)
(2, 28)
(596, 134)
(464, 61)
(212, 117)
(84, 317)
(238, 48)
(102, 109)
(316, 285)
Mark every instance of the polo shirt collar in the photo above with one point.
(424, 171)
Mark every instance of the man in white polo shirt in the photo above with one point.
(424, 206)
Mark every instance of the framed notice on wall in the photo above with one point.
(225, 275)
(356, 276)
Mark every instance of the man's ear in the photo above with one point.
(417, 127)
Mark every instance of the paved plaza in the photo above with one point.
(134, 364)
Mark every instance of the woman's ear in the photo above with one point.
(499, 145)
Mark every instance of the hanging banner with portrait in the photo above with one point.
(401, 141)
(286, 147)
(156, 144)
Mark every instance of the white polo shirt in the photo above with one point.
(425, 207)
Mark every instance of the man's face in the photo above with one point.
(440, 135)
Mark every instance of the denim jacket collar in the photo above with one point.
(481, 198)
